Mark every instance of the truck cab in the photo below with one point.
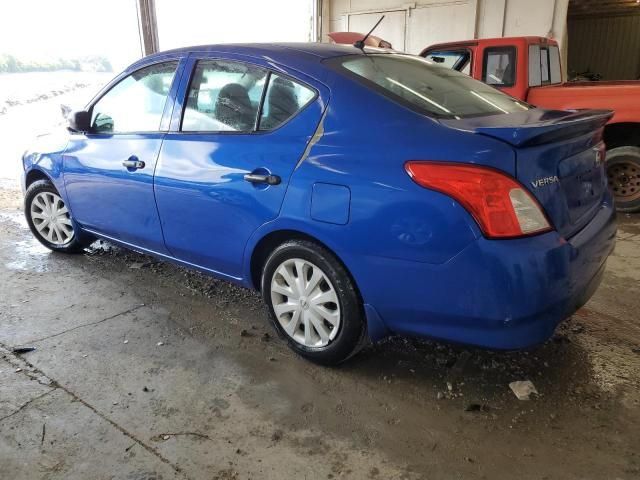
(514, 65)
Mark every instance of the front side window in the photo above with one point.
(422, 86)
(283, 100)
(499, 66)
(136, 103)
(224, 96)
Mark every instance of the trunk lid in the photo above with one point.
(559, 159)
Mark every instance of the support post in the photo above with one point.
(147, 26)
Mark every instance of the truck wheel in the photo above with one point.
(623, 173)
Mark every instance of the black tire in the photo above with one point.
(74, 244)
(352, 334)
(623, 174)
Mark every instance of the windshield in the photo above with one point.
(427, 87)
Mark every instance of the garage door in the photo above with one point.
(392, 28)
(440, 22)
(413, 28)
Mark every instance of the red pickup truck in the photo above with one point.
(529, 69)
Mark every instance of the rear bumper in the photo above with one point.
(503, 294)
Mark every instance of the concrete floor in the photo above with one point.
(148, 371)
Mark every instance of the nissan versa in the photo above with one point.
(363, 192)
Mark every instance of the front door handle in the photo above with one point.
(133, 163)
(268, 179)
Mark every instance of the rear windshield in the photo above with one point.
(427, 87)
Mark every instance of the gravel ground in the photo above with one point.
(211, 392)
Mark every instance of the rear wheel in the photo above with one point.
(623, 174)
(49, 219)
(313, 302)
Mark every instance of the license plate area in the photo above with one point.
(583, 182)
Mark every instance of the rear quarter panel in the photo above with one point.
(366, 140)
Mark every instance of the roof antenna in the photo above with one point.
(360, 43)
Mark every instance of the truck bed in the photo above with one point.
(621, 96)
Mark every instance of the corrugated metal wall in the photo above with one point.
(606, 45)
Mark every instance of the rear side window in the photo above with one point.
(499, 66)
(426, 88)
(227, 96)
(283, 100)
(544, 65)
(555, 70)
(223, 96)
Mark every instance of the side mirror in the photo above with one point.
(79, 121)
(102, 123)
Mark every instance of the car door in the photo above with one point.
(108, 171)
(224, 167)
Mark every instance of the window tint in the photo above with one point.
(499, 66)
(544, 65)
(427, 88)
(554, 64)
(284, 99)
(535, 78)
(223, 96)
(454, 59)
(136, 103)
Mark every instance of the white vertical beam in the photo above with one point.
(316, 20)
(490, 18)
(147, 26)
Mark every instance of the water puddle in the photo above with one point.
(31, 256)
(15, 217)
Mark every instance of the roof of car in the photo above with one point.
(318, 50)
(305, 57)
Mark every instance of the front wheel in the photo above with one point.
(623, 174)
(49, 219)
(313, 302)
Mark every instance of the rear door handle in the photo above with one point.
(133, 163)
(268, 179)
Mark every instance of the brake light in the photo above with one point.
(501, 206)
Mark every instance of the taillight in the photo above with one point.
(501, 206)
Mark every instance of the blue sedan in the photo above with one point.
(363, 192)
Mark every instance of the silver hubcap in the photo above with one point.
(51, 218)
(305, 303)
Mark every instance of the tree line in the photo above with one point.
(92, 63)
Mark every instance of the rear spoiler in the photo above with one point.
(534, 127)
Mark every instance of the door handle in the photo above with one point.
(133, 163)
(268, 179)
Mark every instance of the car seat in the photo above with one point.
(233, 107)
(282, 103)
